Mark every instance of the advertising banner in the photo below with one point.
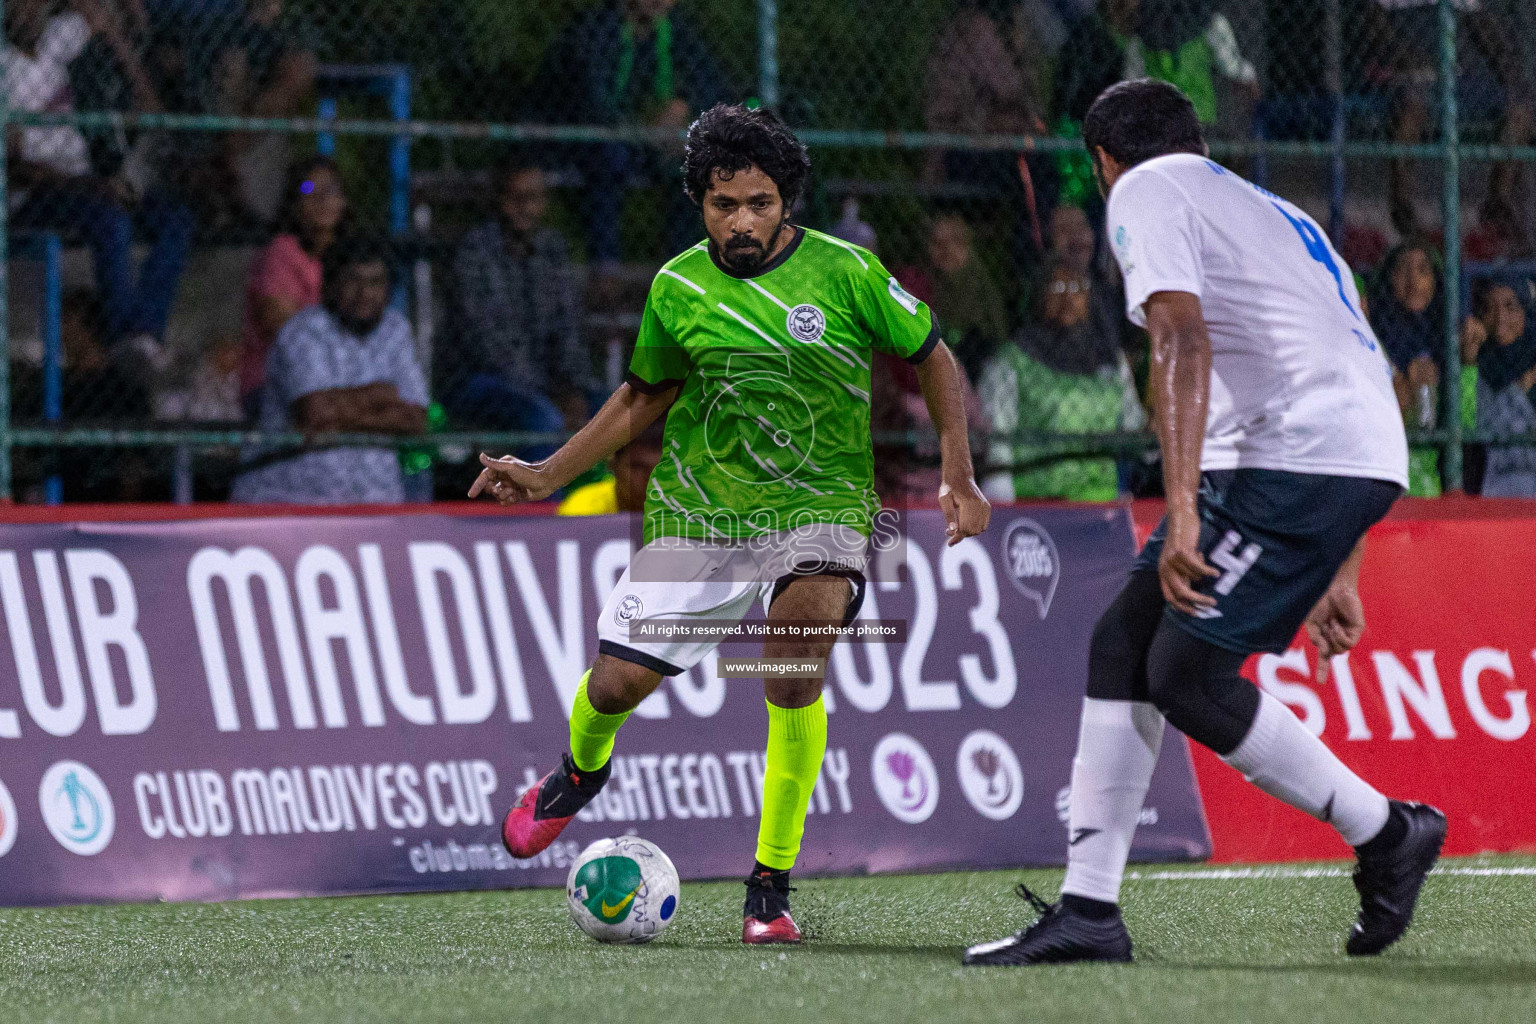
(1433, 705)
(285, 705)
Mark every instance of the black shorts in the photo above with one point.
(1277, 539)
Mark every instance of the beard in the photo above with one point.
(359, 327)
(745, 255)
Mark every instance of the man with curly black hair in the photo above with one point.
(757, 344)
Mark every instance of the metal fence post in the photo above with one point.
(768, 52)
(1450, 458)
(5, 299)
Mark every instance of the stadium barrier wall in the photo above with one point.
(321, 704)
(1432, 705)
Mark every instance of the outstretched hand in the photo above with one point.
(511, 480)
(1335, 626)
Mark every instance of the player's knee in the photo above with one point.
(792, 693)
(617, 686)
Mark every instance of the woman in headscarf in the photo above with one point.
(1407, 312)
(1506, 367)
(1062, 373)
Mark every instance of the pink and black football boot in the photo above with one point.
(549, 806)
(766, 920)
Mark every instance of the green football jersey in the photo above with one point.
(770, 430)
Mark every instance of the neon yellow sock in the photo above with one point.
(797, 741)
(592, 731)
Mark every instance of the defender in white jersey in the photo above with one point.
(1282, 445)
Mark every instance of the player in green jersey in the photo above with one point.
(757, 345)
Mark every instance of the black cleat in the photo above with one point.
(765, 919)
(1060, 936)
(1389, 882)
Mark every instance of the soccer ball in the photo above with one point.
(622, 890)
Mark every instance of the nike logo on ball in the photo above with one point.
(610, 911)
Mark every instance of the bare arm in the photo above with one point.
(367, 409)
(624, 416)
(966, 509)
(1181, 393)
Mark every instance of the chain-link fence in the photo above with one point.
(201, 195)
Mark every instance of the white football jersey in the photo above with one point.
(1298, 380)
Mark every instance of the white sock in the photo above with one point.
(1286, 761)
(1117, 747)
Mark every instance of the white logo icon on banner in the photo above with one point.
(990, 776)
(1030, 559)
(76, 808)
(904, 777)
(7, 821)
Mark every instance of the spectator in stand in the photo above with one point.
(1186, 42)
(631, 62)
(517, 360)
(286, 275)
(980, 84)
(1492, 82)
(349, 365)
(211, 394)
(1506, 385)
(255, 60)
(1408, 315)
(1407, 312)
(965, 299)
(95, 390)
(52, 187)
(1063, 373)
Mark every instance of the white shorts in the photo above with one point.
(679, 579)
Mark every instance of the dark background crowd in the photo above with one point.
(243, 280)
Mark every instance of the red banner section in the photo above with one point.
(1433, 705)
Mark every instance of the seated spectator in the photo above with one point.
(1061, 374)
(254, 60)
(286, 275)
(631, 62)
(1506, 384)
(978, 83)
(1408, 31)
(1407, 312)
(1186, 42)
(515, 358)
(212, 393)
(53, 187)
(349, 365)
(94, 391)
(964, 298)
(624, 490)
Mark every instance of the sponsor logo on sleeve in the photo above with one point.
(905, 299)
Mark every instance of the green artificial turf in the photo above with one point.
(881, 949)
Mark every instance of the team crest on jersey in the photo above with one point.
(905, 299)
(628, 610)
(806, 323)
